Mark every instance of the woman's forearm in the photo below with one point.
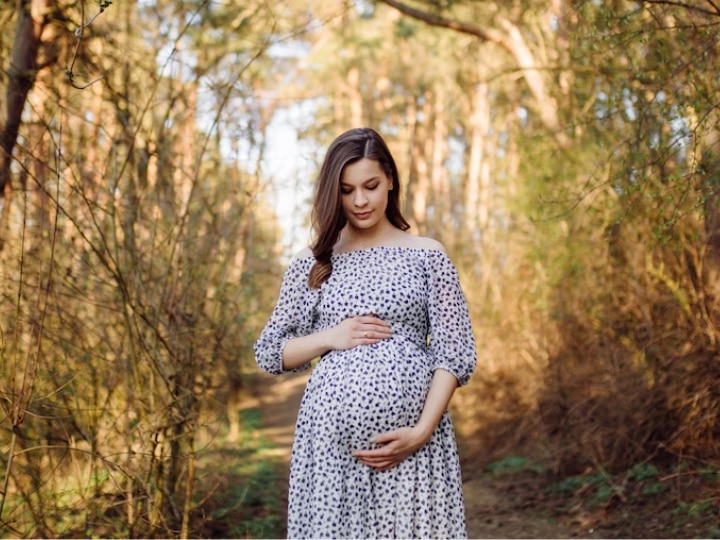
(351, 332)
(299, 351)
(442, 388)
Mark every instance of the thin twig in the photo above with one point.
(69, 72)
(8, 468)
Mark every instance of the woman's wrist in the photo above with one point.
(301, 350)
(327, 340)
(423, 433)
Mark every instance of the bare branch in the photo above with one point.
(714, 5)
(79, 34)
(689, 7)
(511, 39)
(443, 22)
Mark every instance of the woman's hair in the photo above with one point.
(328, 217)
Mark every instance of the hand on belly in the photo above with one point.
(397, 445)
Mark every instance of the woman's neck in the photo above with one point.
(353, 238)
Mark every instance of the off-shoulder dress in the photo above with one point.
(357, 393)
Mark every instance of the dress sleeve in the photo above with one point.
(452, 343)
(293, 316)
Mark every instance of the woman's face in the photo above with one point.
(364, 190)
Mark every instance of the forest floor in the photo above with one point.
(515, 499)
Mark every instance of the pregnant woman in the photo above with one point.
(374, 454)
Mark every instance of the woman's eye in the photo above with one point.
(374, 186)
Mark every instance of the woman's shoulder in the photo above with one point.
(408, 240)
(299, 264)
(304, 253)
(424, 242)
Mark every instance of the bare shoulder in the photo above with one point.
(304, 253)
(424, 242)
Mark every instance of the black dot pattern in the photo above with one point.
(357, 393)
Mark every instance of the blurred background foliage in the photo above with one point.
(155, 165)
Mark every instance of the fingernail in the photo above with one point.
(372, 440)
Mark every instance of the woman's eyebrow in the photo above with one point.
(364, 182)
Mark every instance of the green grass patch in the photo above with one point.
(242, 495)
(572, 484)
(642, 471)
(694, 509)
(514, 464)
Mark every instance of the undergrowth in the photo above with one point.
(677, 500)
(241, 488)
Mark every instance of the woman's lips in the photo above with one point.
(362, 215)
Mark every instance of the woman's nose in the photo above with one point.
(360, 198)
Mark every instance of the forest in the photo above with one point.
(157, 160)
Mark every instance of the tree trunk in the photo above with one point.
(419, 193)
(355, 97)
(477, 188)
(510, 38)
(440, 183)
(710, 165)
(32, 18)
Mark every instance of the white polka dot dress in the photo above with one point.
(357, 393)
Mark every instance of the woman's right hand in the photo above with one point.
(354, 331)
(361, 330)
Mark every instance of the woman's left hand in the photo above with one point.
(397, 445)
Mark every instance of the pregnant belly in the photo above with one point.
(375, 388)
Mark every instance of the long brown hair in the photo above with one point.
(328, 217)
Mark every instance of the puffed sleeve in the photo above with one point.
(293, 316)
(452, 343)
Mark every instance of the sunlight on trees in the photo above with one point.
(567, 154)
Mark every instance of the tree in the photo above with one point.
(125, 310)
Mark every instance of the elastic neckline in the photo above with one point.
(376, 248)
(386, 247)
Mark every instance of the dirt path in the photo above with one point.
(490, 512)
